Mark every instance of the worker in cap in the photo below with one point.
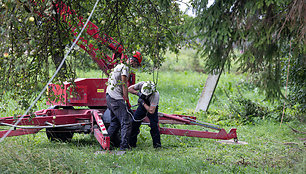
(147, 106)
(137, 58)
(118, 101)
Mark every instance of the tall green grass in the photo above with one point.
(179, 91)
(186, 60)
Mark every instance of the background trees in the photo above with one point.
(263, 37)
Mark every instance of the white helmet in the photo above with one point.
(148, 88)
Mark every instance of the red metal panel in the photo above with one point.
(89, 92)
(99, 122)
(78, 94)
(103, 140)
(56, 94)
(200, 134)
(175, 119)
(96, 89)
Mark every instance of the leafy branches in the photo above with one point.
(260, 30)
(34, 37)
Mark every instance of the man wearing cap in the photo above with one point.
(118, 101)
(147, 106)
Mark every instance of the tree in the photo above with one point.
(34, 38)
(267, 32)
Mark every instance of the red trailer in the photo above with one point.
(61, 120)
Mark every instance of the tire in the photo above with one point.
(59, 134)
(61, 107)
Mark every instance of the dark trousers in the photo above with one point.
(119, 119)
(140, 113)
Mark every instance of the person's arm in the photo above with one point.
(124, 80)
(153, 103)
(132, 90)
(151, 109)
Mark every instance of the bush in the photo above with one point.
(297, 86)
(251, 109)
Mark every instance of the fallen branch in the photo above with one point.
(297, 131)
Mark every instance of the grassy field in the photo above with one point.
(270, 148)
(265, 153)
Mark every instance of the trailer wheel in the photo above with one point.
(60, 107)
(59, 134)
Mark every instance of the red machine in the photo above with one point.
(61, 120)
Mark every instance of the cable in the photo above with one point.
(59, 67)
(132, 115)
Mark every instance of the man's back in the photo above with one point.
(114, 88)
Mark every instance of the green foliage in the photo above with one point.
(250, 111)
(266, 32)
(34, 38)
(185, 60)
(297, 84)
(247, 104)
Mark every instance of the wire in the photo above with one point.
(176, 136)
(51, 79)
(132, 115)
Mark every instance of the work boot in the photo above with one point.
(125, 148)
(133, 146)
(157, 145)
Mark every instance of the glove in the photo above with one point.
(141, 95)
(140, 101)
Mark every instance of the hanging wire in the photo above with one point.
(51, 79)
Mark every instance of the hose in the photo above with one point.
(132, 115)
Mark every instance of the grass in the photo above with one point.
(179, 90)
(270, 148)
(265, 153)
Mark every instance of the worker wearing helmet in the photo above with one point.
(147, 106)
(118, 101)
